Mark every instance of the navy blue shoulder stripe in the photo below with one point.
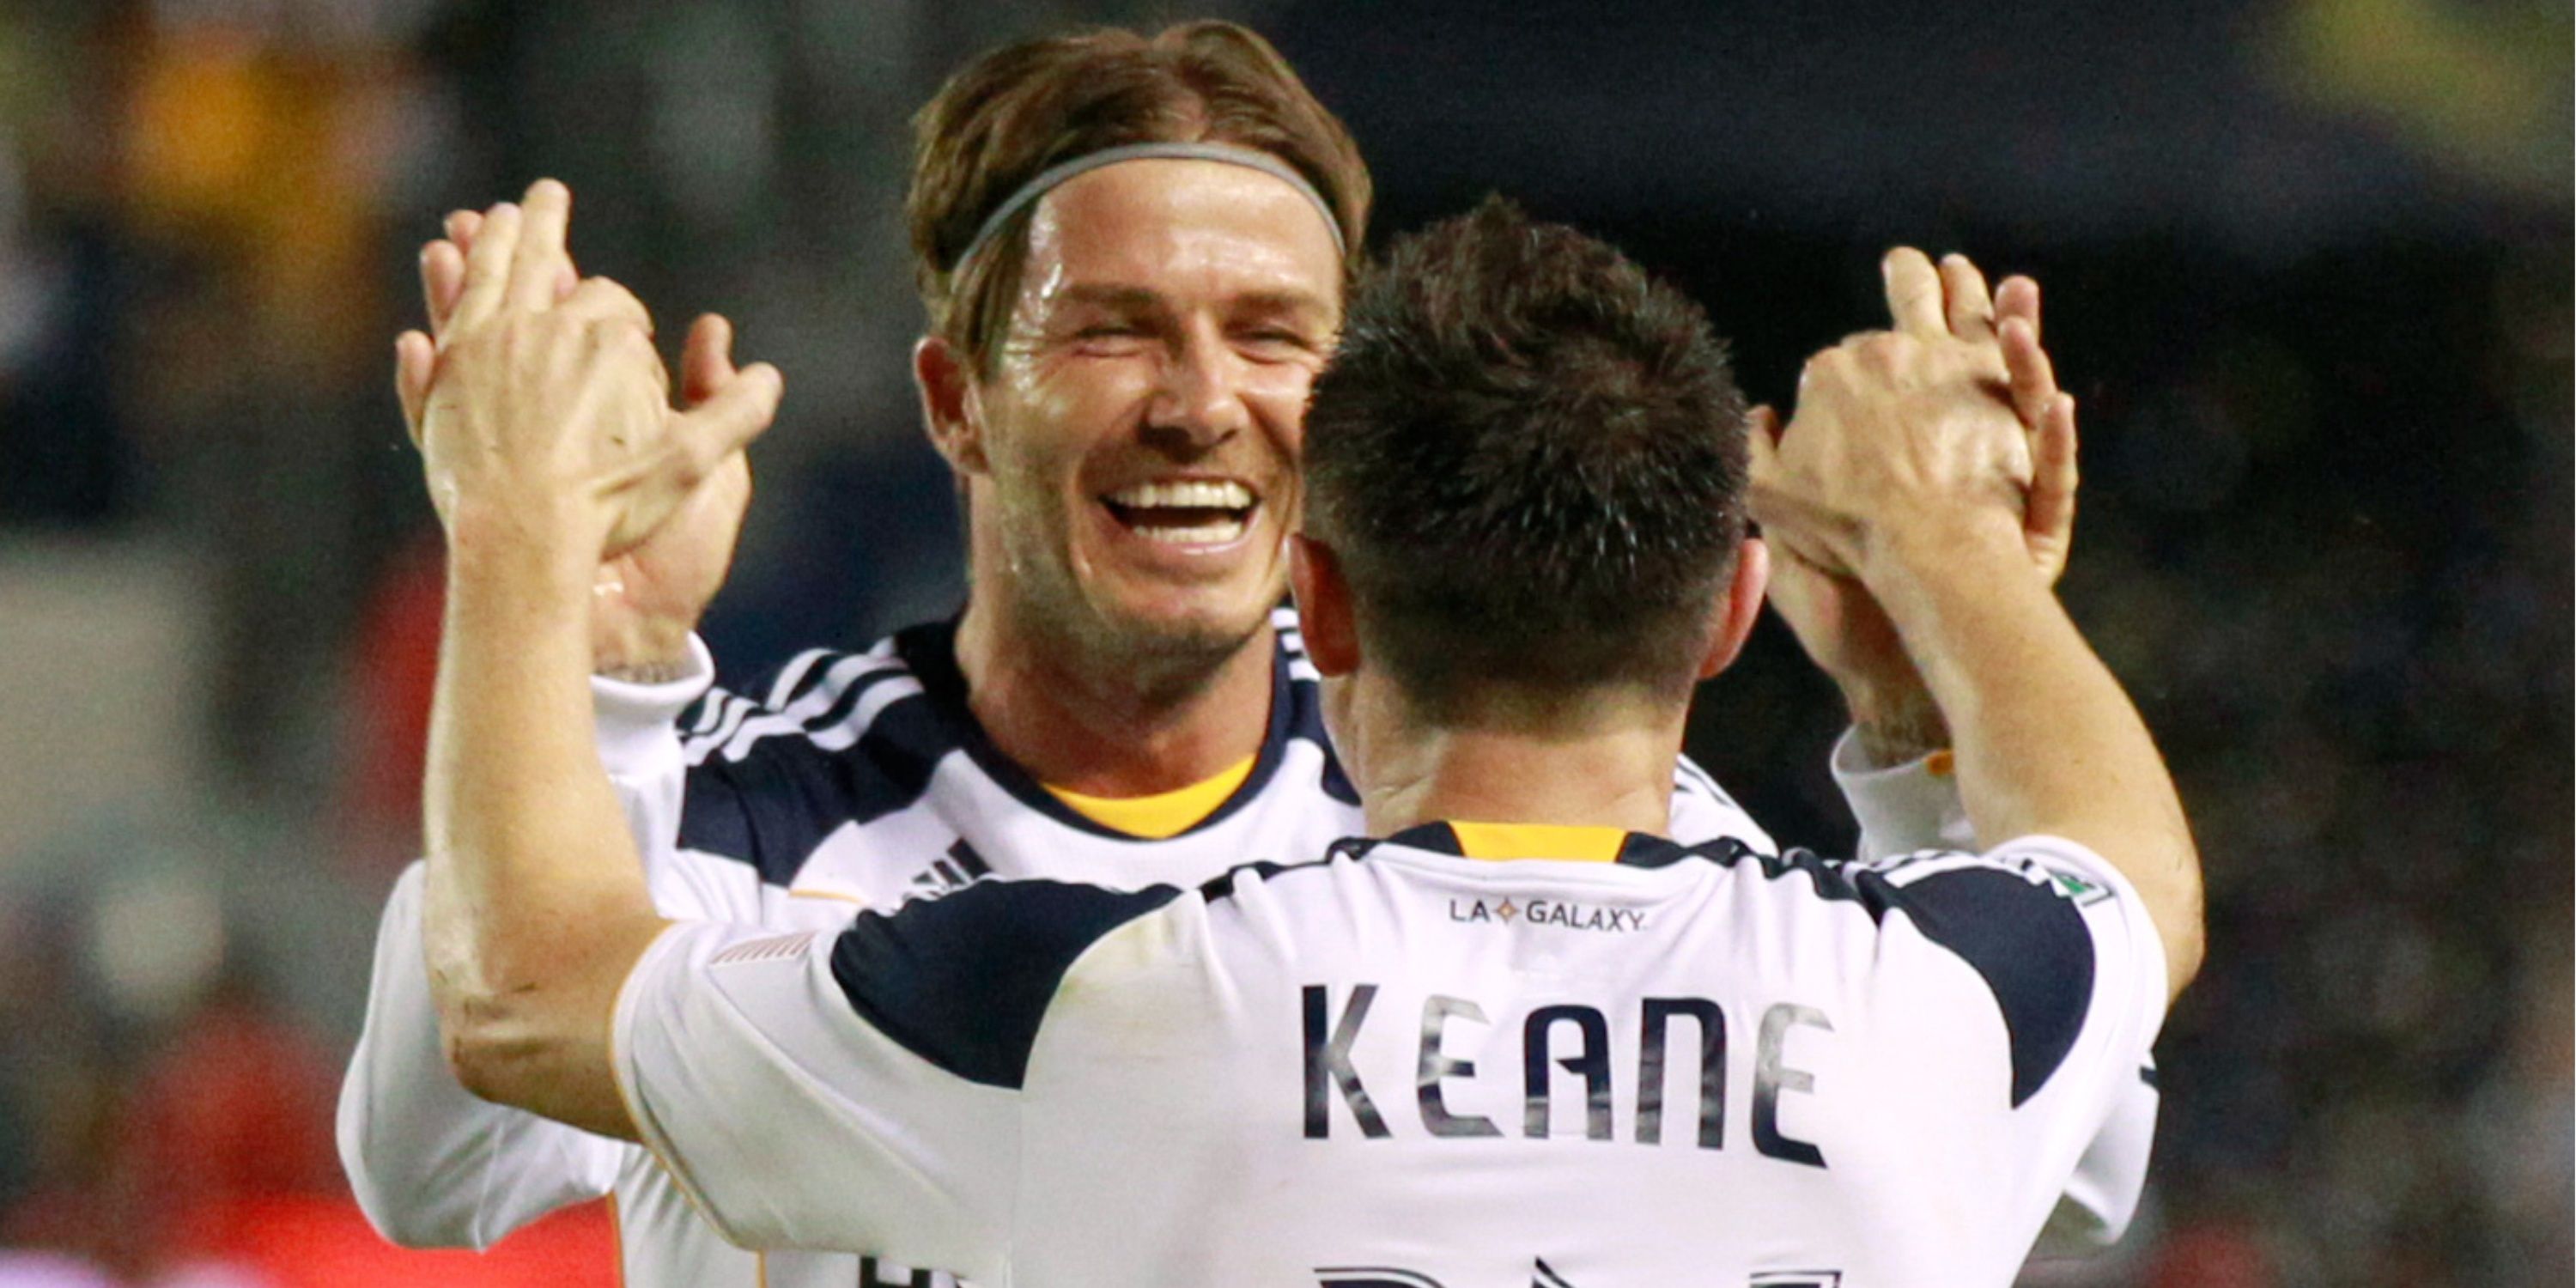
(2027, 941)
(964, 981)
(2030, 945)
(775, 805)
(1834, 880)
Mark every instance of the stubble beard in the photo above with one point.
(1161, 660)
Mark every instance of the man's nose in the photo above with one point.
(1200, 402)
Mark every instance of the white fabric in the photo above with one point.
(435, 1167)
(1906, 807)
(1160, 1135)
(1900, 807)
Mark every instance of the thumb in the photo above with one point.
(730, 418)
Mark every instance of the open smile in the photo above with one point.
(1189, 512)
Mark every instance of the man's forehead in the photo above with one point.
(1165, 225)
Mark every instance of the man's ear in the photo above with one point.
(1741, 607)
(949, 406)
(1323, 606)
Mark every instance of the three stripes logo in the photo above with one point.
(960, 866)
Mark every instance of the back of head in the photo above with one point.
(1530, 460)
(1018, 110)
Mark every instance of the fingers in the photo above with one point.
(442, 280)
(415, 361)
(1914, 293)
(706, 359)
(2018, 297)
(487, 268)
(603, 299)
(2048, 521)
(727, 420)
(2029, 374)
(1971, 311)
(540, 261)
(440, 291)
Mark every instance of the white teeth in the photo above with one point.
(1195, 494)
(1205, 534)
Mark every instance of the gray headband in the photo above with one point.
(1227, 153)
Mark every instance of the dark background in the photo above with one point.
(2307, 269)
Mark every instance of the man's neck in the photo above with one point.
(1103, 726)
(1618, 777)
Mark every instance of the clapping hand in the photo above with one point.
(1840, 624)
(655, 578)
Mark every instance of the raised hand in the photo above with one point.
(651, 596)
(1835, 618)
(547, 420)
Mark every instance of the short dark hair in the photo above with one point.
(1022, 108)
(1530, 461)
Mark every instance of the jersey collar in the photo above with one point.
(929, 650)
(1538, 841)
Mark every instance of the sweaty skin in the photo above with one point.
(1172, 316)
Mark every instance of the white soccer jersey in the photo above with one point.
(851, 780)
(1401, 1066)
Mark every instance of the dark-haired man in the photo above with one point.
(1133, 253)
(1630, 1061)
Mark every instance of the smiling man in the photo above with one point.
(1631, 1061)
(1133, 253)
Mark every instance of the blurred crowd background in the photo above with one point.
(2307, 265)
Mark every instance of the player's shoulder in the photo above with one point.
(2016, 918)
(816, 698)
(1703, 811)
(965, 980)
(2024, 919)
(828, 740)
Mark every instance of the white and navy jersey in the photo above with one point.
(1399, 1066)
(866, 778)
(848, 781)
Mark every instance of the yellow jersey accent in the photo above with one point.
(809, 892)
(1941, 764)
(1160, 816)
(1539, 841)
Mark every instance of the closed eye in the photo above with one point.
(1276, 342)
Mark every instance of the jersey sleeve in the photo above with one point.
(858, 1092)
(1901, 808)
(639, 746)
(432, 1165)
(2039, 962)
(1916, 806)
